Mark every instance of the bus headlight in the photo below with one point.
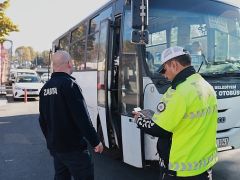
(17, 88)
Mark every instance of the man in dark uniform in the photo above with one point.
(65, 122)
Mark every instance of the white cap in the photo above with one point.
(171, 53)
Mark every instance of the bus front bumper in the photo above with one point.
(229, 138)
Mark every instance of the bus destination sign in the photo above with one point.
(226, 90)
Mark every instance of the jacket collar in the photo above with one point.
(182, 76)
(62, 74)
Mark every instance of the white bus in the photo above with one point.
(117, 75)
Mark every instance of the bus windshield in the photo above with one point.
(209, 30)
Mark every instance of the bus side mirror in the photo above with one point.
(140, 37)
(139, 10)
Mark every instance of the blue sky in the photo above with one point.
(42, 21)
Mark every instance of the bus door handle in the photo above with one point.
(132, 120)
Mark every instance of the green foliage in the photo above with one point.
(27, 53)
(23, 53)
(45, 56)
(6, 25)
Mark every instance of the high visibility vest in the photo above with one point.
(190, 113)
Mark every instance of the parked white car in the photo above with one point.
(14, 73)
(45, 77)
(31, 83)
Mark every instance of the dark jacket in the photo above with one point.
(64, 118)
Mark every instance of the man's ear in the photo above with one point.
(174, 64)
(177, 65)
(68, 65)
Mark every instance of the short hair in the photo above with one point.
(63, 54)
(60, 57)
(184, 60)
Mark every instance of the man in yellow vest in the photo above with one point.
(185, 121)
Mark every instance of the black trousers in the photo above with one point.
(204, 176)
(73, 164)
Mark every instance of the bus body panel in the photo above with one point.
(102, 117)
(151, 100)
(87, 81)
(131, 142)
(230, 137)
(150, 147)
(231, 113)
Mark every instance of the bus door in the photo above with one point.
(108, 61)
(129, 96)
(113, 85)
(102, 83)
(132, 137)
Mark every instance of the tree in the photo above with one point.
(23, 53)
(45, 57)
(33, 54)
(6, 25)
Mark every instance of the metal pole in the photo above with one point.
(1, 46)
(9, 48)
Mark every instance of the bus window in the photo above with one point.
(79, 33)
(93, 39)
(174, 35)
(95, 22)
(129, 82)
(158, 42)
(92, 51)
(198, 37)
(64, 43)
(128, 69)
(77, 51)
(216, 32)
(102, 63)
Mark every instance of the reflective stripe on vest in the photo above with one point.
(180, 166)
(201, 113)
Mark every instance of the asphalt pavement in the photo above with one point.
(23, 153)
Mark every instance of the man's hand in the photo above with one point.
(99, 148)
(136, 115)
